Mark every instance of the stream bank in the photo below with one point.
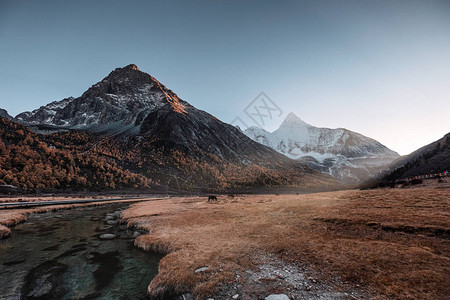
(82, 253)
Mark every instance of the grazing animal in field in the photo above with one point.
(416, 181)
(212, 198)
(231, 196)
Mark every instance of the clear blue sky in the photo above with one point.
(381, 68)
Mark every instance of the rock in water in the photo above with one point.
(107, 236)
(45, 281)
(277, 297)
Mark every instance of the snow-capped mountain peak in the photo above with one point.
(293, 120)
(345, 154)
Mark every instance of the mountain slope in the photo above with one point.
(41, 162)
(430, 159)
(346, 155)
(4, 114)
(146, 128)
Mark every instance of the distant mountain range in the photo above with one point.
(344, 154)
(430, 159)
(134, 124)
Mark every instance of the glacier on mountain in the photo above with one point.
(346, 155)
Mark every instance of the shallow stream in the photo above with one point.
(83, 253)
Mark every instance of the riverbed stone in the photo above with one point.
(277, 297)
(107, 236)
(44, 281)
(202, 269)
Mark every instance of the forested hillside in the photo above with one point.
(58, 162)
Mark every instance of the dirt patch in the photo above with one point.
(275, 276)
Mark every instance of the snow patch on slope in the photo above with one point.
(346, 155)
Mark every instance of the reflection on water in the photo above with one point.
(75, 254)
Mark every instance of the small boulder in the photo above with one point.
(277, 297)
(186, 297)
(108, 236)
(202, 269)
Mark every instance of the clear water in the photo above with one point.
(60, 255)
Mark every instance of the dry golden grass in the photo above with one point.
(4, 231)
(393, 243)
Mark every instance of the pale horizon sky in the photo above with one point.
(380, 68)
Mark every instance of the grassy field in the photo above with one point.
(378, 244)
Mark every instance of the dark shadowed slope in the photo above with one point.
(4, 114)
(432, 158)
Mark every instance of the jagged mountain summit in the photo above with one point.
(344, 154)
(121, 100)
(4, 114)
(133, 120)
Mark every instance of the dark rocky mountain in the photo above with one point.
(346, 155)
(138, 124)
(4, 114)
(195, 132)
(430, 159)
(121, 100)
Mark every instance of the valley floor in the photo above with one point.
(375, 244)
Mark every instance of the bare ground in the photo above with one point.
(377, 244)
